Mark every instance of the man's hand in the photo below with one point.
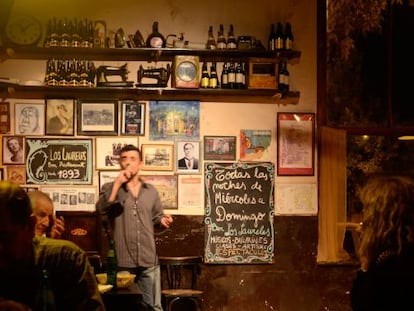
(166, 221)
(57, 228)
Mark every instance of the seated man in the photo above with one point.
(47, 224)
(31, 266)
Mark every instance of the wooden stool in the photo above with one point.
(181, 294)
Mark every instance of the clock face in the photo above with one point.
(187, 71)
(23, 30)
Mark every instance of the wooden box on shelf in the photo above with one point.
(262, 73)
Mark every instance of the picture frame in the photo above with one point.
(220, 148)
(60, 117)
(14, 149)
(107, 151)
(132, 117)
(29, 119)
(97, 117)
(295, 144)
(187, 156)
(166, 186)
(157, 157)
(4, 117)
(16, 174)
(107, 176)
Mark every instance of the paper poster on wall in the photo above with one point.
(189, 191)
(254, 145)
(72, 199)
(296, 199)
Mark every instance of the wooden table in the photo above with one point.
(125, 299)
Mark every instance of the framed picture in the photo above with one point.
(108, 149)
(98, 117)
(16, 173)
(157, 157)
(295, 143)
(132, 118)
(60, 117)
(14, 150)
(220, 148)
(187, 156)
(107, 176)
(4, 117)
(29, 119)
(166, 186)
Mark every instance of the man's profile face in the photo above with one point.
(28, 120)
(43, 212)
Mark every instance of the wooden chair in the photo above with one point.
(180, 292)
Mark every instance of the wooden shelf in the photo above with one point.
(140, 54)
(121, 93)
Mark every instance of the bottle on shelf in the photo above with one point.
(221, 39)
(239, 77)
(288, 37)
(271, 39)
(286, 76)
(280, 38)
(54, 33)
(111, 264)
(65, 34)
(232, 76)
(211, 41)
(213, 81)
(155, 39)
(231, 39)
(76, 35)
(225, 77)
(205, 77)
(283, 77)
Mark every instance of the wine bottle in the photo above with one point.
(213, 81)
(54, 33)
(279, 39)
(111, 264)
(225, 77)
(231, 39)
(221, 39)
(232, 76)
(239, 77)
(286, 76)
(155, 39)
(65, 34)
(211, 41)
(288, 37)
(45, 300)
(271, 40)
(205, 77)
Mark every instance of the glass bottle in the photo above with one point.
(239, 77)
(286, 77)
(155, 39)
(45, 300)
(221, 39)
(211, 41)
(232, 76)
(205, 77)
(65, 34)
(271, 40)
(231, 39)
(213, 81)
(54, 33)
(279, 39)
(225, 77)
(111, 264)
(288, 37)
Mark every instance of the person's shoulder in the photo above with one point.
(49, 246)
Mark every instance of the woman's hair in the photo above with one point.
(388, 216)
(16, 201)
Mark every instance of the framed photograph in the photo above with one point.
(4, 117)
(107, 176)
(60, 117)
(29, 119)
(295, 143)
(157, 157)
(16, 173)
(166, 186)
(221, 148)
(14, 150)
(58, 161)
(98, 117)
(132, 118)
(187, 159)
(108, 149)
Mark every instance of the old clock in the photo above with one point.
(23, 30)
(186, 71)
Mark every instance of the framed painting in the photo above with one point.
(295, 144)
(60, 117)
(97, 117)
(187, 159)
(29, 119)
(16, 173)
(221, 148)
(4, 117)
(166, 186)
(108, 151)
(14, 150)
(132, 118)
(157, 157)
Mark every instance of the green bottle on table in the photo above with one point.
(111, 264)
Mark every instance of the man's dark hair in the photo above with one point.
(130, 148)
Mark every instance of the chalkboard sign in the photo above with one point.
(239, 213)
(59, 161)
